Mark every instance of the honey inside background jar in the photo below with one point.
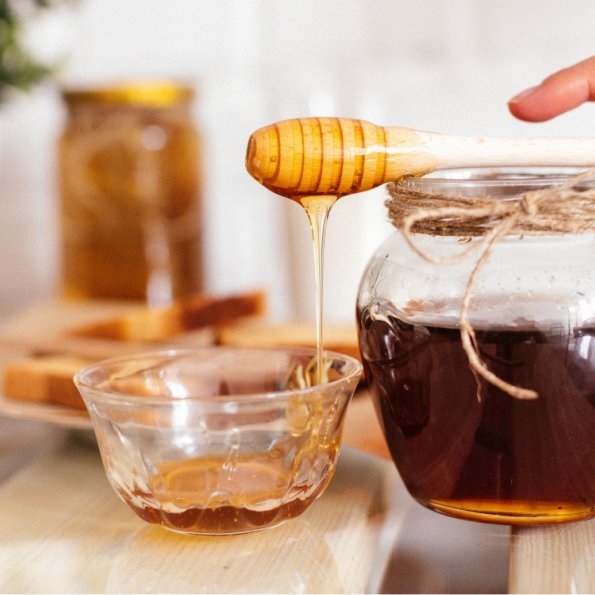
(129, 172)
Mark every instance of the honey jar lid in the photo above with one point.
(148, 93)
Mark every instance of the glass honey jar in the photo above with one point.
(130, 193)
(478, 343)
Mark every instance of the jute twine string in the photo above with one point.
(568, 208)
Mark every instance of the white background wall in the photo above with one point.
(442, 65)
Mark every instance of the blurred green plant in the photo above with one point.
(18, 68)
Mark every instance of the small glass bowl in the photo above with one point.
(217, 440)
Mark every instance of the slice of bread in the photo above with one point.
(44, 379)
(156, 324)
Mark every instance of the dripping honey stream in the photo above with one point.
(317, 210)
(316, 161)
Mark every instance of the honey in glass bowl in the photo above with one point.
(218, 440)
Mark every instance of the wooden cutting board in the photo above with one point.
(63, 530)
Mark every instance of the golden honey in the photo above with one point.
(129, 180)
(218, 495)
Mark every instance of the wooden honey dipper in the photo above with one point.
(339, 156)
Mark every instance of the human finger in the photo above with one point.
(558, 93)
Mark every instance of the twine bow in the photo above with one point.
(566, 208)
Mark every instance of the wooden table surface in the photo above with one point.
(64, 530)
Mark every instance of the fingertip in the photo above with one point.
(522, 107)
(521, 97)
(523, 110)
(540, 103)
(557, 94)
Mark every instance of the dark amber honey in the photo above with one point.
(217, 495)
(221, 519)
(485, 455)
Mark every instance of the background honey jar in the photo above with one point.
(130, 199)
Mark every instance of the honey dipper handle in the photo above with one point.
(459, 151)
(339, 156)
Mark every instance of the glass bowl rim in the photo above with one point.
(124, 398)
(501, 176)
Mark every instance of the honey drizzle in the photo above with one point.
(317, 209)
(316, 161)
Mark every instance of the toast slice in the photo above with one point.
(44, 379)
(156, 324)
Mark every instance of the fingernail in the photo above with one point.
(524, 95)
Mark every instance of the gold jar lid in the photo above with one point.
(137, 93)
